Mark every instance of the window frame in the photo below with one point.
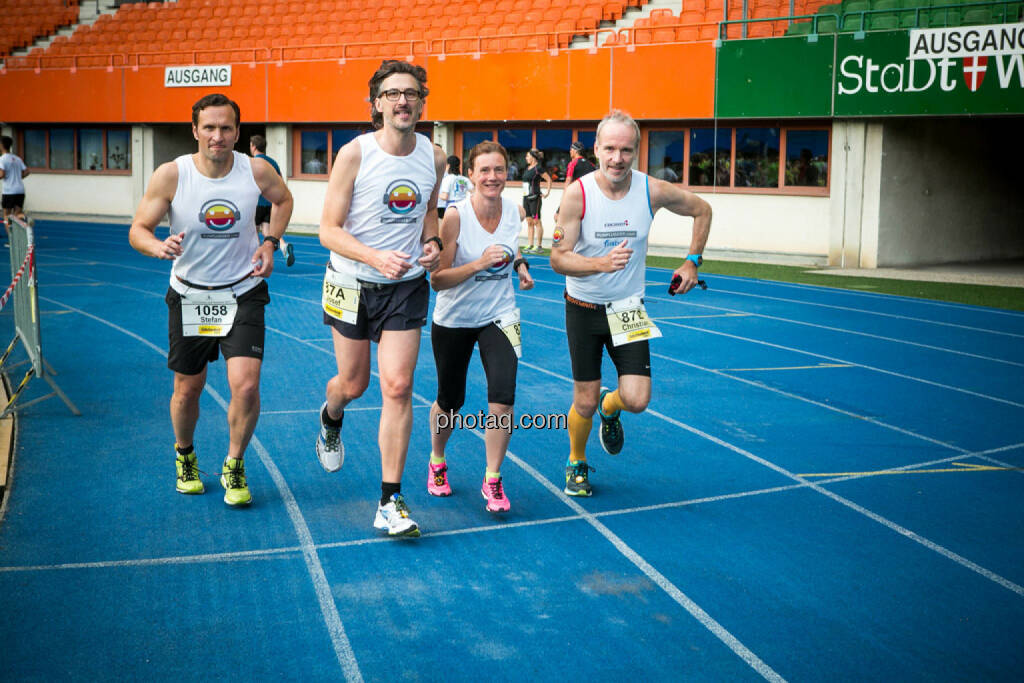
(574, 127)
(423, 127)
(75, 143)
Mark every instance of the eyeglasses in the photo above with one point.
(411, 95)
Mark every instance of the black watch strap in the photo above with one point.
(520, 262)
(435, 238)
(273, 240)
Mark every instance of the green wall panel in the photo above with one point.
(775, 77)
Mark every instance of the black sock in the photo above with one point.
(330, 421)
(184, 451)
(387, 489)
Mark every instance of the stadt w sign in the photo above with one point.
(960, 70)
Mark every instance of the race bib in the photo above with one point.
(341, 296)
(208, 314)
(509, 324)
(628, 321)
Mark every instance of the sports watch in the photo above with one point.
(696, 258)
(273, 240)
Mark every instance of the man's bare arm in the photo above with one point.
(152, 209)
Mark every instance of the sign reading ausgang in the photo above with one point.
(197, 76)
(967, 41)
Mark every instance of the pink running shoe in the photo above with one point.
(437, 480)
(494, 493)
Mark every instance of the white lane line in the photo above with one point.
(339, 639)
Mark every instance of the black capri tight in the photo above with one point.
(453, 348)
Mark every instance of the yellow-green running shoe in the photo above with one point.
(189, 482)
(232, 478)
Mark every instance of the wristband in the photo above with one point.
(520, 262)
(273, 240)
(435, 238)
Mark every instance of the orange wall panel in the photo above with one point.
(87, 96)
(665, 81)
(322, 91)
(147, 100)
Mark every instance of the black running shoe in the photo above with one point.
(577, 478)
(611, 434)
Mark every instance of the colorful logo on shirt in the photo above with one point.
(557, 235)
(506, 259)
(402, 196)
(219, 215)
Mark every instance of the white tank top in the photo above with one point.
(485, 296)
(389, 201)
(606, 222)
(216, 215)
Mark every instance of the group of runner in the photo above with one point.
(388, 246)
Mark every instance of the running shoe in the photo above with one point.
(289, 259)
(611, 434)
(577, 478)
(394, 517)
(232, 478)
(189, 482)
(437, 480)
(329, 448)
(494, 493)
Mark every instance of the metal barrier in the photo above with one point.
(24, 297)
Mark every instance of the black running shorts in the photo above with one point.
(387, 306)
(453, 348)
(262, 215)
(587, 331)
(13, 201)
(189, 355)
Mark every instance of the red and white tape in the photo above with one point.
(27, 263)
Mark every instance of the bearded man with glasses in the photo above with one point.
(380, 224)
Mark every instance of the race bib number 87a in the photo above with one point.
(341, 297)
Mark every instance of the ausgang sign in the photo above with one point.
(197, 76)
(961, 70)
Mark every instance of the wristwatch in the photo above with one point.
(696, 258)
(273, 240)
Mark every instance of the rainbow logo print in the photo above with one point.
(219, 215)
(506, 259)
(402, 196)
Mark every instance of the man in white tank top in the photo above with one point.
(217, 292)
(601, 248)
(380, 223)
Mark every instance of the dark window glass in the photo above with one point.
(470, 139)
(342, 136)
(555, 146)
(757, 157)
(314, 151)
(119, 150)
(807, 158)
(587, 137)
(665, 154)
(710, 156)
(35, 148)
(62, 149)
(518, 142)
(90, 149)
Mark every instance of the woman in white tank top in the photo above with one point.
(475, 306)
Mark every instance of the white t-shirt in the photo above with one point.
(458, 188)
(12, 167)
(485, 296)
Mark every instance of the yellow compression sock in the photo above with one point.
(579, 432)
(612, 403)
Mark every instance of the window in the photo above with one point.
(757, 157)
(313, 152)
(517, 141)
(472, 138)
(90, 149)
(62, 149)
(806, 158)
(554, 144)
(341, 137)
(77, 149)
(665, 150)
(710, 157)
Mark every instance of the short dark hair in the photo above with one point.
(537, 155)
(485, 147)
(215, 100)
(8, 142)
(389, 67)
(453, 164)
(578, 146)
(259, 142)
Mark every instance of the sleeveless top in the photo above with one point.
(485, 296)
(389, 201)
(216, 215)
(606, 222)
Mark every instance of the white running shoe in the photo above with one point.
(394, 517)
(329, 448)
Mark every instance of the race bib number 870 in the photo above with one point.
(628, 321)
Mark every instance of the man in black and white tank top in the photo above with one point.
(601, 248)
(217, 292)
(380, 224)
